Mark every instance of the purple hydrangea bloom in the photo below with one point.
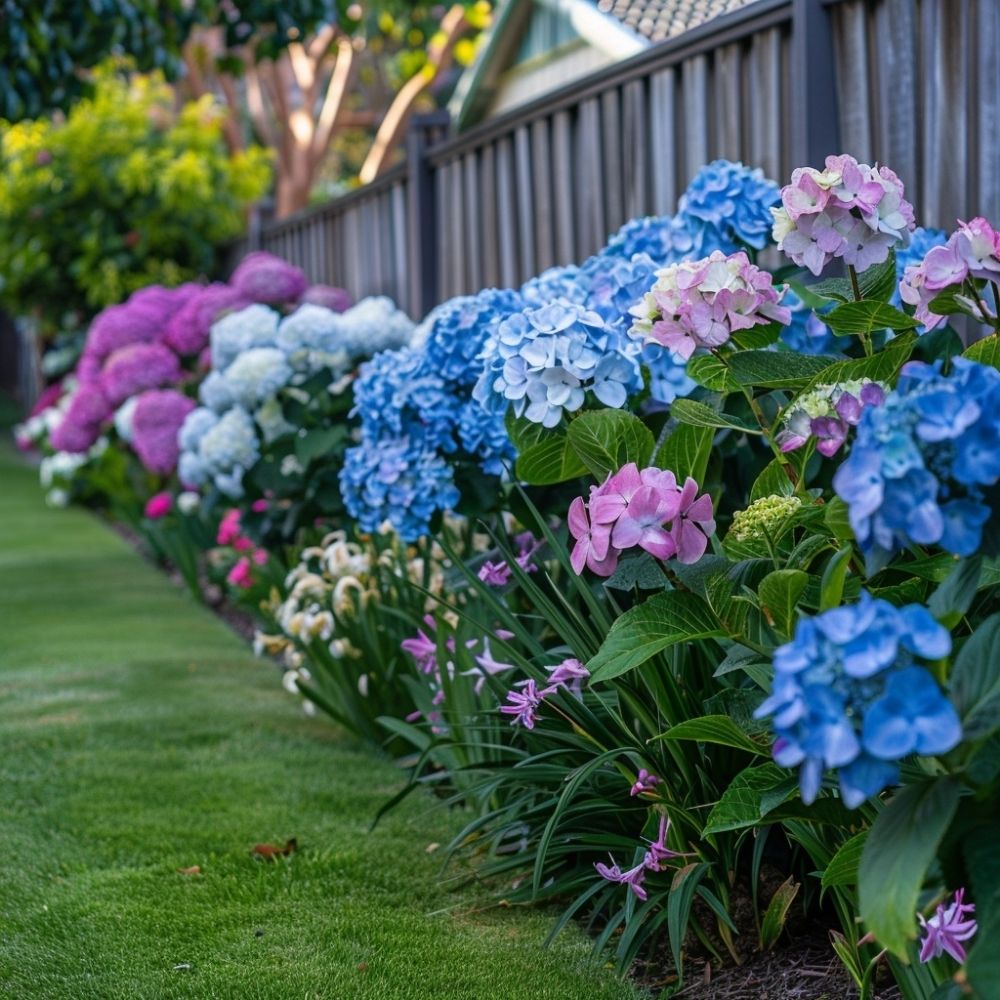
(849, 694)
(336, 299)
(188, 329)
(157, 419)
(137, 367)
(262, 277)
(80, 426)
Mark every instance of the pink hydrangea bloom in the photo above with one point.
(972, 251)
(188, 329)
(703, 303)
(241, 575)
(158, 505)
(81, 424)
(262, 277)
(131, 369)
(850, 210)
(645, 509)
(156, 422)
(336, 299)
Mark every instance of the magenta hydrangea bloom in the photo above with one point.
(703, 303)
(262, 277)
(189, 327)
(645, 509)
(850, 210)
(81, 424)
(132, 369)
(336, 299)
(972, 251)
(156, 422)
(119, 326)
(948, 929)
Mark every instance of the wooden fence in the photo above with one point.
(778, 83)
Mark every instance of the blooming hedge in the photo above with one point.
(669, 567)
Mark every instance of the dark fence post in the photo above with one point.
(815, 122)
(421, 212)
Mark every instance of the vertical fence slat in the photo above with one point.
(507, 222)
(541, 184)
(663, 109)
(525, 204)
(488, 206)
(562, 165)
(590, 197)
(473, 221)
(635, 149)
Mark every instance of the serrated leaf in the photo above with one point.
(836, 520)
(720, 729)
(985, 351)
(944, 303)
(647, 629)
(880, 367)
(877, 282)
(712, 372)
(954, 596)
(552, 460)
(843, 866)
(900, 848)
(975, 681)
(690, 411)
(642, 571)
(776, 369)
(779, 594)
(866, 317)
(758, 337)
(605, 440)
(686, 452)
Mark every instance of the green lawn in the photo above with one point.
(138, 736)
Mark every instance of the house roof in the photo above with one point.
(658, 20)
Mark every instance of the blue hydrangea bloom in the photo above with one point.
(920, 462)
(396, 480)
(567, 283)
(452, 336)
(807, 333)
(921, 241)
(614, 285)
(849, 694)
(483, 434)
(543, 361)
(727, 205)
(668, 377)
(667, 239)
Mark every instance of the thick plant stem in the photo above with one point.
(865, 338)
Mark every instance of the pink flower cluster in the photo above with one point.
(231, 534)
(81, 424)
(523, 704)
(156, 421)
(262, 277)
(158, 506)
(703, 303)
(850, 210)
(652, 861)
(646, 509)
(498, 574)
(972, 251)
(137, 367)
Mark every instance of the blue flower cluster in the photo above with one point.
(920, 462)
(399, 481)
(415, 406)
(849, 694)
(727, 205)
(545, 360)
(556, 283)
(667, 239)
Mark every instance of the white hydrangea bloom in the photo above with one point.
(256, 375)
(375, 324)
(123, 419)
(255, 326)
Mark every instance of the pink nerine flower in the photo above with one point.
(703, 303)
(972, 251)
(241, 575)
(646, 509)
(645, 781)
(849, 210)
(156, 422)
(158, 506)
(948, 929)
(652, 861)
(523, 704)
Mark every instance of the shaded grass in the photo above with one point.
(138, 736)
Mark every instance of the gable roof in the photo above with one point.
(659, 20)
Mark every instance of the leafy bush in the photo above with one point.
(124, 191)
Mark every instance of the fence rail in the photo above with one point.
(776, 84)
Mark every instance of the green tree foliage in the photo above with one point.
(124, 191)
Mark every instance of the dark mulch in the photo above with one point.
(804, 968)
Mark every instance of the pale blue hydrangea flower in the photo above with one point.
(256, 375)
(255, 326)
